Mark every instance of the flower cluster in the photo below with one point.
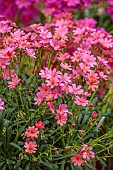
(23, 11)
(85, 154)
(75, 60)
(110, 8)
(55, 7)
(26, 12)
(32, 132)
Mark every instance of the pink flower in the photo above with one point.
(85, 67)
(39, 97)
(45, 34)
(43, 73)
(87, 152)
(65, 66)
(39, 125)
(75, 89)
(81, 101)
(92, 84)
(61, 118)
(52, 82)
(23, 3)
(77, 159)
(4, 62)
(77, 56)
(1, 104)
(32, 132)
(102, 75)
(30, 52)
(105, 42)
(64, 79)
(63, 57)
(30, 147)
(62, 108)
(14, 82)
(89, 59)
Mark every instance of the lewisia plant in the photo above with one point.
(56, 86)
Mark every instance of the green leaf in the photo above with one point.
(67, 156)
(4, 168)
(85, 119)
(27, 166)
(79, 118)
(1, 163)
(9, 130)
(89, 165)
(1, 115)
(0, 144)
(15, 145)
(26, 157)
(62, 167)
(47, 164)
(6, 123)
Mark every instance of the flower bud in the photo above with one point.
(67, 147)
(74, 124)
(94, 114)
(54, 149)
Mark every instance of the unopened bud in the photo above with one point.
(94, 114)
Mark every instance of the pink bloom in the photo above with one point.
(4, 62)
(53, 73)
(102, 75)
(75, 89)
(45, 34)
(49, 97)
(52, 82)
(1, 104)
(87, 152)
(56, 44)
(61, 118)
(81, 101)
(77, 159)
(90, 60)
(23, 3)
(65, 88)
(63, 57)
(93, 84)
(4, 26)
(62, 108)
(30, 52)
(39, 125)
(43, 73)
(44, 89)
(77, 56)
(32, 132)
(30, 147)
(14, 82)
(39, 97)
(65, 66)
(105, 42)
(85, 67)
(64, 79)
